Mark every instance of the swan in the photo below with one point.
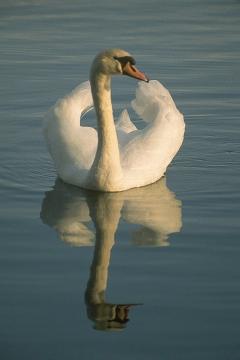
(116, 156)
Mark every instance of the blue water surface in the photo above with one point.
(156, 275)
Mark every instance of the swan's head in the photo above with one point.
(117, 62)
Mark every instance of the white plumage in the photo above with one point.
(117, 156)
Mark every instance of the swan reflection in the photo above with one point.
(71, 211)
(154, 208)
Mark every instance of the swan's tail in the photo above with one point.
(124, 122)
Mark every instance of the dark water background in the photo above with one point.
(177, 246)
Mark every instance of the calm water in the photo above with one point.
(152, 273)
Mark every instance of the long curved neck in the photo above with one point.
(106, 169)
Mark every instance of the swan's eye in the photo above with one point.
(125, 59)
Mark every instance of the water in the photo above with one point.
(165, 257)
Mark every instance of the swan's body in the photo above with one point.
(115, 157)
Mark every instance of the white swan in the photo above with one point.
(115, 157)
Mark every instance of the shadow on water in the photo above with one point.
(154, 210)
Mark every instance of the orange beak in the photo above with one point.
(132, 71)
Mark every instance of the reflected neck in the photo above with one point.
(105, 213)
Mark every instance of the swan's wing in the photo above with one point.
(81, 97)
(152, 101)
(72, 146)
(148, 152)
